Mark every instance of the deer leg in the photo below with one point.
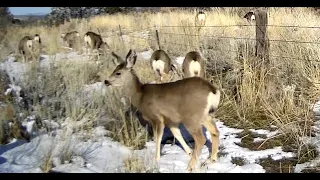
(158, 133)
(24, 58)
(199, 139)
(214, 132)
(177, 134)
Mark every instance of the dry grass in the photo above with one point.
(136, 164)
(263, 96)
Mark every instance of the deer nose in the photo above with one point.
(106, 82)
(196, 73)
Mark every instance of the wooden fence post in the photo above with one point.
(262, 42)
(157, 36)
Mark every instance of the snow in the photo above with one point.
(106, 155)
(180, 60)
(101, 154)
(146, 55)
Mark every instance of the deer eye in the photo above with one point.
(118, 74)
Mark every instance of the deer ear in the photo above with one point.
(117, 59)
(131, 58)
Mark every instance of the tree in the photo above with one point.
(5, 16)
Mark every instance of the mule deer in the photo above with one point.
(71, 39)
(193, 65)
(200, 19)
(250, 16)
(188, 101)
(94, 42)
(30, 46)
(161, 64)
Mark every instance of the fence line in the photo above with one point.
(151, 37)
(244, 38)
(225, 50)
(244, 25)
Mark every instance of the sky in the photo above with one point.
(29, 10)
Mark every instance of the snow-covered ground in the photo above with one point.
(101, 154)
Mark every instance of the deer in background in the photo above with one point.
(188, 101)
(94, 42)
(193, 65)
(250, 16)
(30, 47)
(161, 64)
(71, 39)
(200, 19)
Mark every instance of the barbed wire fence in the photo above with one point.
(160, 36)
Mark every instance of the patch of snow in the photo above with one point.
(176, 160)
(28, 125)
(258, 139)
(72, 168)
(264, 132)
(180, 60)
(315, 141)
(146, 55)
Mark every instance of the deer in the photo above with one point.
(189, 101)
(250, 16)
(71, 39)
(95, 42)
(30, 46)
(161, 64)
(200, 19)
(193, 65)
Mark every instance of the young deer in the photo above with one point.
(193, 65)
(200, 19)
(94, 42)
(30, 46)
(250, 17)
(188, 101)
(71, 39)
(161, 64)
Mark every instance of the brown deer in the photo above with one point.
(71, 39)
(30, 47)
(193, 65)
(200, 19)
(188, 101)
(250, 17)
(161, 64)
(94, 42)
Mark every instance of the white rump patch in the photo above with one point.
(194, 66)
(212, 101)
(36, 38)
(253, 17)
(202, 17)
(29, 43)
(158, 64)
(87, 39)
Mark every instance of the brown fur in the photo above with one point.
(199, 22)
(193, 56)
(95, 42)
(71, 39)
(161, 55)
(33, 50)
(249, 15)
(169, 104)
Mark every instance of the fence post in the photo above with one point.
(120, 34)
(262, 42)
(157, 36)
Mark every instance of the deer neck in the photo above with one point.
(133, 89)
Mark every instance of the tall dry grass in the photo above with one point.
(263, 98)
